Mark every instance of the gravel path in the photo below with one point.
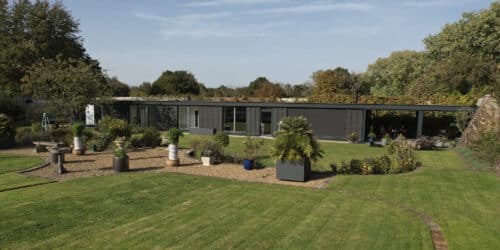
(153, 160)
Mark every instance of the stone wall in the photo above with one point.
(486, 118)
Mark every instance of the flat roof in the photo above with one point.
(171, 102)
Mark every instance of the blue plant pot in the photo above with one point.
(247, 164)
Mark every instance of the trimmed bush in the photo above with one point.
(136, 141)
(7, 132)
(151, 137)
(222, 138)
(114, 127)
(102, 141)
(173, 136)
(379, 165)
(25, 136)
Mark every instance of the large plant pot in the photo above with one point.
(207, 161)
(248, 164)
(53, 154)
(120, 164)
(78, 146)
(293, 171)
(172, 152)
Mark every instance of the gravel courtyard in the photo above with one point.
(153, 160)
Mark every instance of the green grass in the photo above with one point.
(15, 180)
(472, 160)
(153, 210)
(10, 163)
(169, 210)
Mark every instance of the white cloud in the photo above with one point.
(208, 25)
(314, 8)
(232, 2)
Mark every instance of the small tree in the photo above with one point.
(68, 85)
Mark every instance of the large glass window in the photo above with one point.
(235, 119)
(189, 117)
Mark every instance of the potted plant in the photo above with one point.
(78, 144)
(211, 152)
(251, 151)
(173, 141)
(371, 138)
(385, 139)
(294, 149)
(120, 157)
(352, 137)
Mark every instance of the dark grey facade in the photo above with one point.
(328, 121)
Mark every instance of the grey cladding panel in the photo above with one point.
(276, 116)
(211, 117)
(326, 123)
(253, 121)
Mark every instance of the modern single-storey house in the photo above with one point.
(329, 121)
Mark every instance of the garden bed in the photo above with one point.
(153, 160)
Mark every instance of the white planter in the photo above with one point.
(172, 152)
(207, 161)
(383, 141)
(78, 143)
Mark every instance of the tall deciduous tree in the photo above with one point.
(118, 88)
(391, 75)
(68, 85)
(32, 31)
(330, 82)
(176, 83)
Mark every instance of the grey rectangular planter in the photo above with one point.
(293, 171)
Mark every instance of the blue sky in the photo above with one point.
(232, 42)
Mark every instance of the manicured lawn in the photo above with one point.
(169, 210)
(11, 163)
(464, 202)
(153, 210)
(15, 180)
(337, 152)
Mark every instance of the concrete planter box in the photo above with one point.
(207, 161)
(293, 171)
(120, 164)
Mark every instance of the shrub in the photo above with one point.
(102, 141)
(221, 138)
(251, 148)
(355, 167)
(114, 127)
(367, 166)
(487, 146)
(120, 152)
(173, 136)
(62, 134)
(406, 159)
(151, 137)
(232, 158)
(295, 141)
(7, 132)
(195, 143)
(36, 127)
(383, 165)
(211, 149)
(352, 137)
(136, 141)
(78, 129)
(25, 136)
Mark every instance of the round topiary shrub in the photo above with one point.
(222, 138)
(114, 127)
(7, 132)
(151, 137)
